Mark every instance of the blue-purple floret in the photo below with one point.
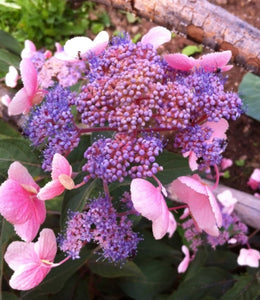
(50, 126)
(113, 159)
(101, 224)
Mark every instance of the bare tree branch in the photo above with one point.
(202, 22)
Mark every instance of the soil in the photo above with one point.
(243, 134)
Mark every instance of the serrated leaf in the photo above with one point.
(174, 165)
(15, 149)
(58, 276)
(75, 199)
(207, 282)
(9, 43)
(249, 91)
(109, 270)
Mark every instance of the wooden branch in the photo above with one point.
(247, 207)
(202, 22)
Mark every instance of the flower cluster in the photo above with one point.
(100, 222)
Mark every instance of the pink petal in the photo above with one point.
(172, 225)
(21, 103)
(60, 165)
(226, 163)
(20, 174)
(6, 100)
(51, 190)
(161, 224)
(46, 247)
(78, 46)
(180, 61)
(15, 202)
(227, 200)
(254, 180)
(249, 257)
(185, 262)
(219, 129)
(29, 76)
(201, 201)
(28, 276)
(11, 77)
(29, 49)
(146, 198)
(212, 61)
(156, 36)
(100, 42)
(20, 253)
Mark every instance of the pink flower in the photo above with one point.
(149, 202)
(79, 47)
(19, 204)
(29, 49)
(11, 77)
(183, 266)
(31, 262)
(210, 62)
(219, 128)
(254, 180)
(226, 163)
(30, 94)
(249, 257)
(201, 202)
(228, 201)
(61, 178)
(157, 36)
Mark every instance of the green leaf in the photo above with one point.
(9, 296)
(9, 43)
(17, 149)
(174, 165)
(246, 287)
(109, 270)
(9, 58)
(191, 49)
(206, 282)
(75, 199)
(249, 91)
(158, 276)
(8, 131)
(58, 276)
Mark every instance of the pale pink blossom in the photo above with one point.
(228, 201)
(254, 180)
(61, 178)
(19, 204)
(149, 202)
(5, 99)
(157, 36)
(31, 262)
(249, 257)
(183, 266)
(30, 94)
(226, 163)
(219, 128)
(11, 77)
(29, 49)
(79, 47)
(202, 203)
(209, 62)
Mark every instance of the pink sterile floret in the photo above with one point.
(19, 204)
(79, 47)
(201, 202)
(249, 257)
(11, 77)
(61, 178)
(209, 62)
(228, 201)
(31, 262)
(156, 36)
(30, 94)
(254, 180)
(149, 202)
(183, 266)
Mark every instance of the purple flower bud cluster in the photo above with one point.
(232, 228)
(64, 72)
(50, 126)
(100, 223)
(38, 59)
(196, 139)
(115, 158)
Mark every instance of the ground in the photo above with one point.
(243, 134)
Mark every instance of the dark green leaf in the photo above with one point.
(6, 130)
(9, 43)
(109, 270)
(9, 58)
(174, 165)
(249, 91)
(9, 296)
(58, 276)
